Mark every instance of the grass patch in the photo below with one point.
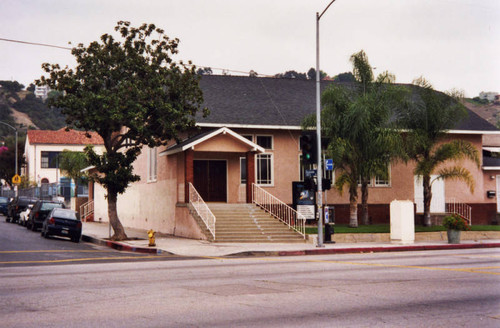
(386, 228)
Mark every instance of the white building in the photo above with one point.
(42, 92)
(490, 96)
(43, 147)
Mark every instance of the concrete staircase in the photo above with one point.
(247, 223)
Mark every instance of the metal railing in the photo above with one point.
(202, 209)
(279, 210)
(86, 210)
(462, 209)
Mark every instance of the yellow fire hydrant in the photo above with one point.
(151, 235)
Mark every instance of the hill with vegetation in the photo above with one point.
(21, 109)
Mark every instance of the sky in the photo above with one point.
(454, 44)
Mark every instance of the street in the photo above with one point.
(22, 247)
(408, 289)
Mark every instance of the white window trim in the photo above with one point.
(243, 158)
(152, 172)
(271, 169)
(388, 184)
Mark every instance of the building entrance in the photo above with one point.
(210, 179)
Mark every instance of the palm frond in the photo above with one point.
(457, 173)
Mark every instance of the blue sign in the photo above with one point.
(329, 164)
(311, 173)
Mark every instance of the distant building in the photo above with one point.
(42, 92)
(490, 96)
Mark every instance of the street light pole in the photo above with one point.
(318, 132)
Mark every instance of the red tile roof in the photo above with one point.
(63, 137)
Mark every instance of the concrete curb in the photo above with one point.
(122, 247)
(319, 251)
(378, 249)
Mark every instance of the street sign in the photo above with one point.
(16, 179)
(329, 164)
(311, 173)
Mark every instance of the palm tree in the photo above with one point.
(427, 119)
(71, 163)
(356, 120)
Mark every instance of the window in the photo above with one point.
(50, 159)
(264, 169)
(243, 170)
(383, 181)
(265, 142)
(152, 164)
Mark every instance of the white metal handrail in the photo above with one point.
(86, 209)
(279, 210)
(202, 209)
(462, 209)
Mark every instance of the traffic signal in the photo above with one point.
(308, 147)
(309, 183)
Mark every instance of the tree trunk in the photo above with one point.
(427, 200)
(364, 204)
(119, 232)
(353, 212)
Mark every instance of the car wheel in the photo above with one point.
(75, 239)
(7, 219)
(33, 227)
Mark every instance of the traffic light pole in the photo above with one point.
(318, 132)
(318, 139)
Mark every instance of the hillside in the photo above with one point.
(23, 110)
(489, 112)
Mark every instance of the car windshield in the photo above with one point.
(49, 206)
(4, 200)
(61, 214)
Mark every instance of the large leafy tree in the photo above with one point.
(356, 120)
(430, 115)
(132, 93)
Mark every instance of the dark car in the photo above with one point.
(16, 206)
(4, 205)
(40, 211)
(63, 222)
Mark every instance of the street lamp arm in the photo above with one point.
(319, 16)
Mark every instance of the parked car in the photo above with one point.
(23, 216)
(4, 205)
(40, 211)
(16, 206)
(63, 222)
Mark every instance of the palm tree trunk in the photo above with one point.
(427, 200)
(119, 232)
(364, 204)
(353, 211)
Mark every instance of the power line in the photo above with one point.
(223, 70)
(35, 44)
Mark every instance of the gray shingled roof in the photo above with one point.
(252, 101)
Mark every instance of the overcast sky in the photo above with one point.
(452, 43)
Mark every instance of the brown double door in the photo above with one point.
(210, 179)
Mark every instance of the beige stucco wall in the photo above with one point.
(153, 204)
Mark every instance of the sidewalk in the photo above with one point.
(99, 232)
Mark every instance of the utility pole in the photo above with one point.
(318, 132)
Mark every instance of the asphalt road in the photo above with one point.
(453, 288)
(22, 247)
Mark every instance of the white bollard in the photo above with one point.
(402, 222)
